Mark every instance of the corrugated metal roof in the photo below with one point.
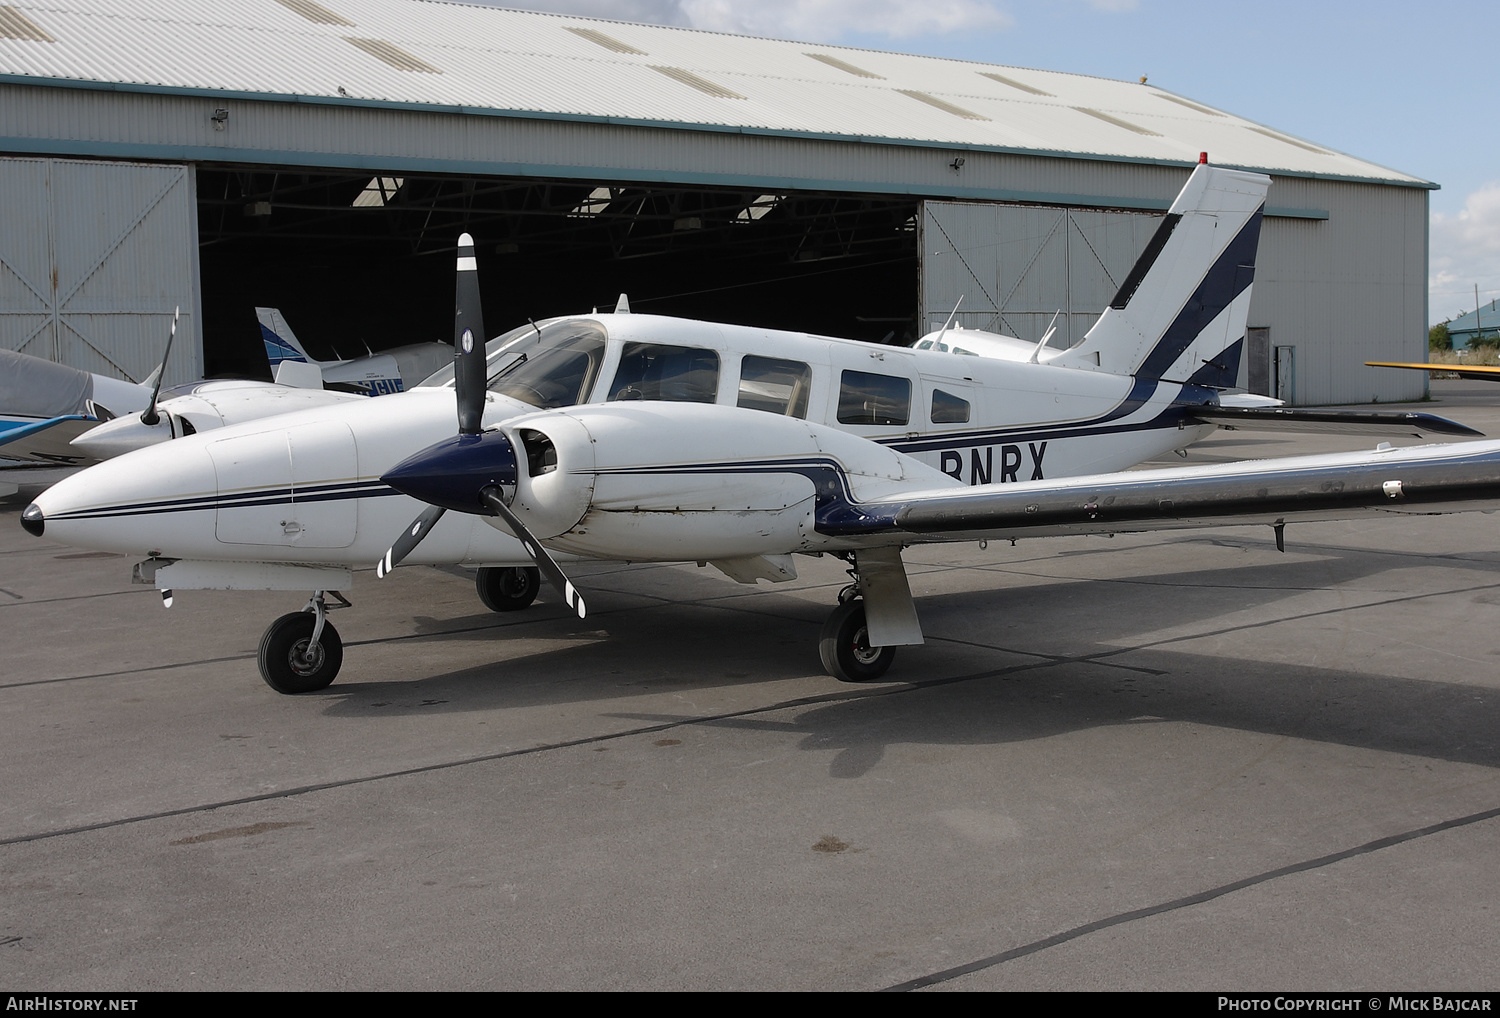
(485, 58)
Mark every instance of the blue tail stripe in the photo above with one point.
(1223, 282)
(278, 349)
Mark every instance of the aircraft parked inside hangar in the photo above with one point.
(376, 374)
(637, 438)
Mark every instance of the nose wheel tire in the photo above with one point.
(508, 590)
(845, 647)
(287, 662)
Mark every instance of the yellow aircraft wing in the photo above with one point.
(1488, 374)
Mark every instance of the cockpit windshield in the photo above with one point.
(548, 367)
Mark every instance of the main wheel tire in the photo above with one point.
(508, 589)
(845, 647)
(283, 659)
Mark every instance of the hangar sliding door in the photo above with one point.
(1016, 265)
(93, 258)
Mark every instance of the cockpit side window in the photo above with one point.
(776, 386)
(868, 398)
(679, 373)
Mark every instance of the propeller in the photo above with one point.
(408, 540)
(548, 566)
(472, 471)
(149, 416)
(468, 385)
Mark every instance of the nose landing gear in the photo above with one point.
(302, 652)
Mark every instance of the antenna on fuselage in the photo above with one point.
(949, 323)
(622, 306)
(1051, 328)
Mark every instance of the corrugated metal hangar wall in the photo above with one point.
(94, 258)
(876, 234)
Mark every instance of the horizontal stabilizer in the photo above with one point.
(1331, 422)
(299, 375)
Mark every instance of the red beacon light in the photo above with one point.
(1202, 158)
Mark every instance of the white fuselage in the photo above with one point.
(304, 487)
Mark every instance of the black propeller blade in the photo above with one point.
(149, 415)
(409, 540)
(468, 342)
(468, 384)
(544, 561)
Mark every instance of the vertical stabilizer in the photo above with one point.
(1180, 314)
(281, 342)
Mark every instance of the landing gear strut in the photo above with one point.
(508, 589)
(302, 652)
(844, 644)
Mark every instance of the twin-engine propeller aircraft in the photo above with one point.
(637, 438)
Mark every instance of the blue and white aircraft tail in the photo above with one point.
(281, 342)
(1180, 315)
(375, 374)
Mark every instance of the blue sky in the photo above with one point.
(1384, 81)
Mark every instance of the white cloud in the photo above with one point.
(820, 20)
(1465, 250)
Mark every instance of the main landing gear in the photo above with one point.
(302, 652)
(844, 644)
(508, 589)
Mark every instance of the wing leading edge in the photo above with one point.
(1482, 372)
(1421, 480)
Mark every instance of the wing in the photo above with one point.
(1480, 371)
(1343, 422)
(44, 440)
(1419, 480)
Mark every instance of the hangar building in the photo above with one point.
(321, 156)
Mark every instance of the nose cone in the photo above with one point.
(121, 435)
(32, 520)
(453, 472)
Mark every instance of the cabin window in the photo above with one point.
(775, 386)
(866, 398)
(678, 373)
(948, 408)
